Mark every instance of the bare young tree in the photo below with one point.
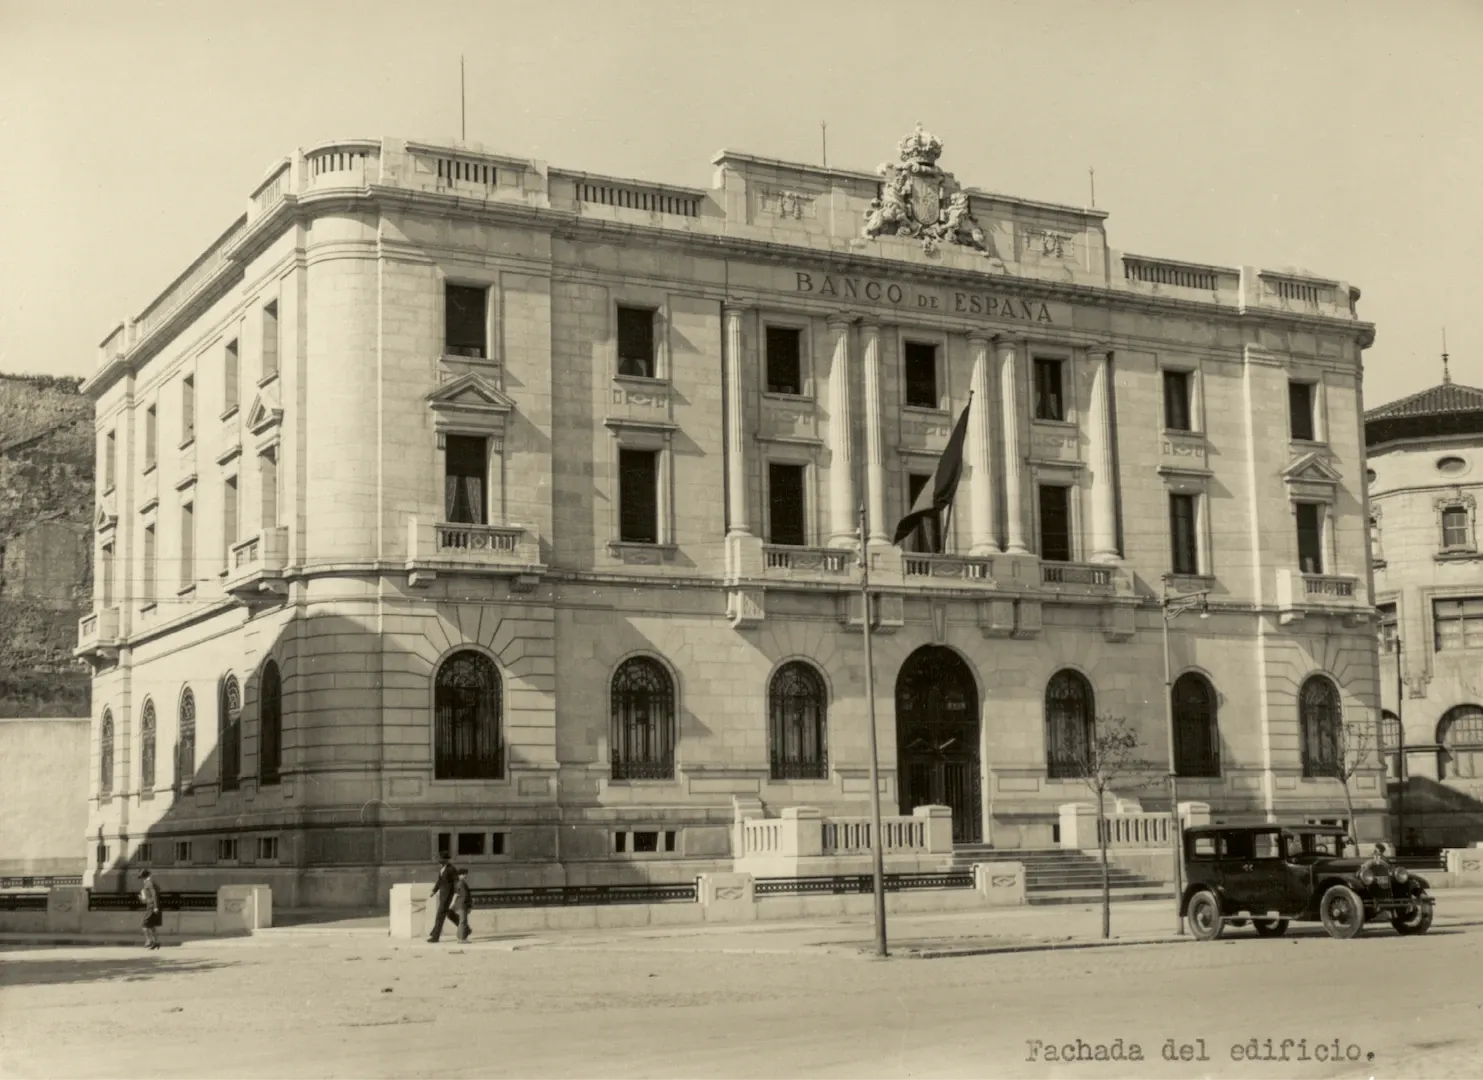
(1353, 753)
(1110, 753)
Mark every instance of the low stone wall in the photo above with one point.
(240, 909)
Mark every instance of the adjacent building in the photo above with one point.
(455, 500)
(1426, 475)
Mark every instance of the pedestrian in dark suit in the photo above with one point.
(463, 905)
(443, 890)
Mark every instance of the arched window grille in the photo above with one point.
(466, 708)
(270, 725)
(229, 730)
(643, 721)
(185, 748)
(105, 754)
(1069, 724)
(1196, 733)
(798, 723)
(146, 748)
(1460, 733)
(1390, 743)
(1319, 718)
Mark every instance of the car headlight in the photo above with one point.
(1401, 874)
(1366, 875)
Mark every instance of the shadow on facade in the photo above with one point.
(1429, 814)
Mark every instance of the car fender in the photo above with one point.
(1190, 890)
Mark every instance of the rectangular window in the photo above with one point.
(470, 843)
(143, 854)
(226, 850)
(187, 409)
(497, 843)
(1458, 623)
(1183, 543)
(102, 854)
(151, 436)
(229, 508)
(638, 496)
(1055, 523)
(267, 849)
(232, 374)
(147, 592)
(187, 545)
(1389, 627)
(921, 375)
(1177, 401)
(1300, 410)
(784, 360)
(1049, 403)
(267, 467)
(445, 843)
(465, 470)
(270, 339)
(464, 322)
(1377, 552)
(110, 460)
(785, 503)
(926, 539)
(106, 573)
(1455, 528)
(636, 342)
(1310, 537)
(645, 840)
(183, 851)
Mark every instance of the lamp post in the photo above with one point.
(1175, 605)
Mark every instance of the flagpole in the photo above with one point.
(877, 854)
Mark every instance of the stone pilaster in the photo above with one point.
(1014, 463)
(736, 435)
(841, 461)
(980, 458)
(875, 469)
(1100, 435)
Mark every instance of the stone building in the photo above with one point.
(1426, 474)
(452, 499)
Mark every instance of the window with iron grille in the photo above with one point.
(638, 496)
(1184, 546)
(1196, 733)
(183, 851)
(798, 723)
(643, 721)
(229, 732)
(1049, 402)
(920, 362)
(267, 849)
(1460, 733)
(785, 504)
(1069, 724)
(147, 747)
(270, 725)
(1319, 718)
(464, 325)
(105, 754)
(636, 342)
(784, 360)
(1177, 401)
(1456, 533)
(465, 469)
(185, 747)
(1458, 624)
(1300, 411)
(226, 849)
(467, 704)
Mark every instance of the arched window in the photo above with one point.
(1069, 720)
(185, 748)
(105, 754)
(643, 721)
(146, 748)
(270, 725)
(1196, 734)
(466, 705)
(1390, 743)
(1461, 735)
(229, 732)
(797, 709)
(1319, 719)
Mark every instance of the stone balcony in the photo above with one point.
(947, 571)
(435, 547)
(255, 568)
(1300, 594)
(782, 562)
(97, 636)
(1084, 579)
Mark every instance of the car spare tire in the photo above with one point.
(1342, 911)
(1205, 922)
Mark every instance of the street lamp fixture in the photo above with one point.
(1175, 605)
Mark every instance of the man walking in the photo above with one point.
(443, 890)
(463, 905)
(149, 894)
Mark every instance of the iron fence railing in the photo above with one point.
(859, 883)
(23, 902)
(577, 895)
(169, 901)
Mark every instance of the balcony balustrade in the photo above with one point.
(255, 567)
(1299, 594)
(445, 546)
(947, 570)
(97, 636)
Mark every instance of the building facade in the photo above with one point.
(1426, 476)
(455, 500)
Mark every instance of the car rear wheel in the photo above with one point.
(1270, 927)
(1416, 919)
(1342, 911)
(1205, 923)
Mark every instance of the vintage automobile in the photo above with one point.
(1274, 874)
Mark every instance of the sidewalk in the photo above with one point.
(957, 933)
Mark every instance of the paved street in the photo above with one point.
(348, 1004)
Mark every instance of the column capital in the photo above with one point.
(735, 307)
(980, 337)
(840, 322)
(1009, 341)
(867, 322)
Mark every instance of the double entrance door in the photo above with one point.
(937, 756)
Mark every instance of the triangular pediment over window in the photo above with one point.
(103, 520)
(264, 412)
(470, 403)
(1311, 468)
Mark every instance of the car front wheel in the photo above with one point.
(1342, 911)
(1417, 919)
(1270, 927)
(1205, 923)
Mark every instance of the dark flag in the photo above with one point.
(937, 496)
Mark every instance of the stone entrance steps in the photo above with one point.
(1057, 876)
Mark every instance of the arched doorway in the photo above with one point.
(937, 761)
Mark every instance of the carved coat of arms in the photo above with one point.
(920, 200)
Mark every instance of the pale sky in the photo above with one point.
(1344, 138)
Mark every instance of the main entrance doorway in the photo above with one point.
(937, 738)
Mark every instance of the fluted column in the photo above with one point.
(980, 456)
(736, 436)
(1099, 434)
(1014, 464)
(841, 462)
(875, 469)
